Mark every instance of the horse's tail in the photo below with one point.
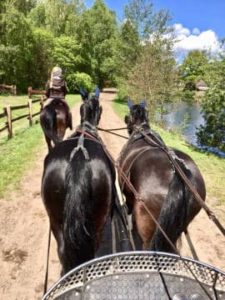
(79, 227)
(178, 209)
(48, 120)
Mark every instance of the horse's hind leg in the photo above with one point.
(48, 141)
(58, 234)
(144, 224)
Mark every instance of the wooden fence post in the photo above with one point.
(30, 112)
(42, 102)
(8, 113)
(14, 90)
(29, 91)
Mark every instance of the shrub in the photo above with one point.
(77, 80)
(212, 133)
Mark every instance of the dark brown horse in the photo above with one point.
(78, 190)
(55, 118)
(154, 177)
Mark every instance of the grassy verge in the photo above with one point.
(18, 153)
(211, 166)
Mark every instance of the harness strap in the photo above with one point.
(131, 163)
(80, 146)
(191, 246)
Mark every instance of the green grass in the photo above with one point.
(18, 153)
(211, 166)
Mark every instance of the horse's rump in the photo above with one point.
(55, 118)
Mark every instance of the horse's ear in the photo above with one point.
(126, 119)
(97, 92)
(83, 93)
(129, 103)
(143, 104)
(82, 113)
(100, 109)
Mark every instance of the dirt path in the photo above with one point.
(24, 226)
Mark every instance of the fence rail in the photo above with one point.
(8, 88)
(31, 92)
(9, 109)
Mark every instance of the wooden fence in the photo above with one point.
(31, 92)
(8, 114)
(8, 88)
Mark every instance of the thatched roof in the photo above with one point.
(201, 85)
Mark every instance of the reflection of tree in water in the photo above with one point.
(182, 118)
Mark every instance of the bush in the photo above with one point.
(188, 96)
(122, 91)
(212, 133)
(79, 80)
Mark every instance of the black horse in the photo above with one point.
(55, 118)
(157, 182)
(78, 190)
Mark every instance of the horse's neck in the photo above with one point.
(144, 132)
(138, 142)
(89, 128)
(131, 149)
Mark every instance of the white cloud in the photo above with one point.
(180, 30)
(195, 40)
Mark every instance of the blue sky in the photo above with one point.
(203, 14)
(198, 24)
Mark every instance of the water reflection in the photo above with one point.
(186, 118)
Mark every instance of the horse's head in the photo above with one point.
(90, 111)
(85, 95)
(138, 116)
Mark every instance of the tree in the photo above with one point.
(24, 6)
(154, 75)
(96, 34)
(212, 133)
(58, 16)
(193, 68)
(127, 49)
(16, 45)
(67, 54)
(42, 59)
(145, 20)
(153, 70)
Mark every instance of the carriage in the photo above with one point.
(124, 275)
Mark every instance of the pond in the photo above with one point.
(186, 118)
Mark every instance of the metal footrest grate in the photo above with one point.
(140, 275)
